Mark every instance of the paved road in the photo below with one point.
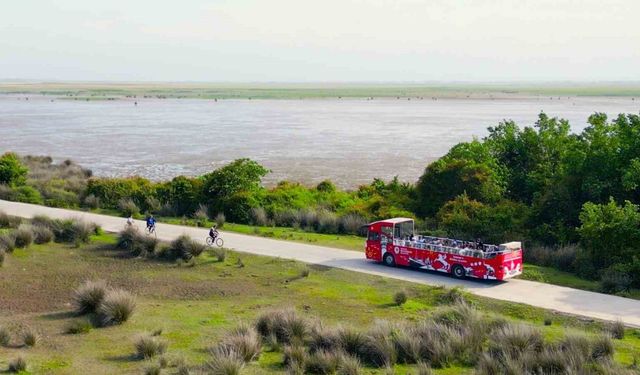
(567, 300)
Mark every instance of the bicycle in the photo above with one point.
(218, 241)
(151, 231)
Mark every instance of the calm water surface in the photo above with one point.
(348, 141)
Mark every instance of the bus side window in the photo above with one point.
(374, 236)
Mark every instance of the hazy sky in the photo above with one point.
(321, 40)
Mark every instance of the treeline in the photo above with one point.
(542, 184)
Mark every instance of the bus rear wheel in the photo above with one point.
(388, 260)
(458, 271)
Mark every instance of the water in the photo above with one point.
(348, 141)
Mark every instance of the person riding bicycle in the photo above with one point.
(130, 221)
(213, 232)
(151, 222)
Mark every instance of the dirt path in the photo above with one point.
(567, 300)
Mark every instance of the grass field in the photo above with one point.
(97, 90)
(194, 305)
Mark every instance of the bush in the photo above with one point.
(23, 236)
(92, 201)
(131, 239)
(220, 253)
(220, 220)
(18, 364)
(285, 325)
(7, 221)
(323, 338)
(201, 216)
(88, 297)
(12, 171)
(352, 224)
(616, 329)
(116, 307)
(2, 256)
(515, 340)
(615, 279)
(70, 230)
(29, 336)
(42, 234)
(400, 298)
(259, 217)
(352, 341)
(244, 341)
(128, 207)
(5, 336)
(153, 369)
(185, 248)
(78, 326)
(149, 346)
(323, 362)
(295, 357)
(224, 362)
(7, 242)
(349, 366)
(424, 369)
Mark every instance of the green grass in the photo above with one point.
(195, 305)
(553, 276)
(108, 91)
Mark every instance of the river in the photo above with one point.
(349, 141)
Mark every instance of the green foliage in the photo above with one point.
(12, 171)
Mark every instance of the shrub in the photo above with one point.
(327, 222)
(220, 253)
(285, 325)
(5, 336)
(92, 201)
(29, 336)
(149, 346)
(602, 348)
(42, 234)
(23, 236)
(352, 341)
(244, 341)
(131, 239)
(454, 295)
(259, 216)
(616, 329)
(128, 207)
(323, 338)
(70, 230)
(400, 298)
(153, 369)
(351, 223)
(78, 326)
(349, 366)
(18, 364)
(515, 340)
(7, 221)
(323, 362)
(615, 279)
(7, 242)
(295, 356)
(407, 345)
(220, 220)
(201, 216)
(116, 307)
(2, 256)
(88, 297)
(185, 248)
(224, 362)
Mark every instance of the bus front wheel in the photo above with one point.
(388, 260)
(458, 271)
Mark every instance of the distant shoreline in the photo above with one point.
(374, 91)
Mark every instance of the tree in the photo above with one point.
(610, 233)
(223, 186)
(12, 172)
(468, 168)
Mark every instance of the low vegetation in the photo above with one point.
(325, 322)
(116, 307)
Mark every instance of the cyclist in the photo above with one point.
(151, 223)
(130, 221)
(213, 232)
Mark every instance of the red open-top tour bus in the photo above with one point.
(393, 242)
